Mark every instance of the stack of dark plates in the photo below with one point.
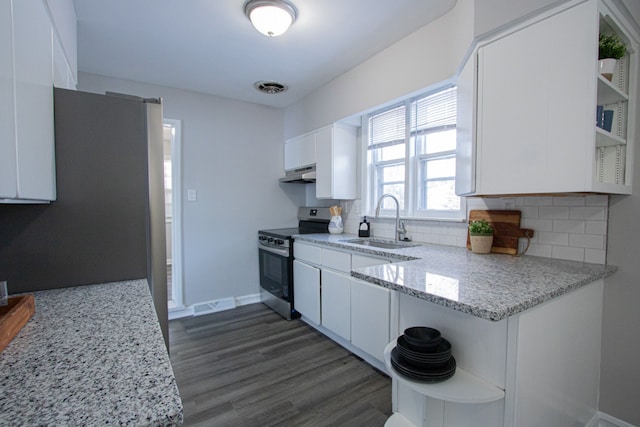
(422, 354)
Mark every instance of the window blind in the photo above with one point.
(387, 128)
(434, 112)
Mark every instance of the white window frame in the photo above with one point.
(412, 162)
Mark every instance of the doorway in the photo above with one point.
(173, 210)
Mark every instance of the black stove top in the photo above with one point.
(286, 233)
(282, 233)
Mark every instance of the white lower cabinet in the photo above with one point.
(336, 303)
(329, 298)
(306, 290)
(370, 317)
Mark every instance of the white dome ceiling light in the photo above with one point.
(271, 17)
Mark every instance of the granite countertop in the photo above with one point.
(90, 355)
(492, 287)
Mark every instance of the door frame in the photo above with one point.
(176, 223)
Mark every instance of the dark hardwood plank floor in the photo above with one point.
(250, 367)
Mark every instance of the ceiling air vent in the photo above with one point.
(270, 87)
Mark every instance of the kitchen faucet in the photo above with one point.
(400, 230)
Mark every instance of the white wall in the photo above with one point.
(428, 56)
(232, 155)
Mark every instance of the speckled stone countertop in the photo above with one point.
(492, 287)
(90, 355)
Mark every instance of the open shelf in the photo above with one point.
(608, 93)
(607, 139)
(461, 388)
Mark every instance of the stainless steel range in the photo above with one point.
(276, 259)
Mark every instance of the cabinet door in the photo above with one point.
(8, 173)
(306, 290)
(34, 100)
(465, 129)
(336, 163)
(300, 152)
(336, 303)
(324, 164)
(536, 112)
(370, 308)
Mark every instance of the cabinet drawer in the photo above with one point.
(336, 260)
(307, 252)
(359, 261)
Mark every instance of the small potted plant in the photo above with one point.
(481, 236)
(610, 49)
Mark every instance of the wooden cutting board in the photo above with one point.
(506, 226)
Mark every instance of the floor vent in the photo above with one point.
(214, 306)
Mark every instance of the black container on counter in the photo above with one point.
(365, 228)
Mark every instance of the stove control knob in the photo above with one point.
(279, 242)
(270, 240)
(262, 238)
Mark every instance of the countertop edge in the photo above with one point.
(597, 273)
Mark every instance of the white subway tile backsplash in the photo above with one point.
(597, 200)
(537, 225)
(529, 211)
(554, 239)
(448, 240)
(538, 201)
(539, 250)
(586, 241)
(566, 252)
(596, 227)
(569, 226)
(569, 201)
(553, 213)
(596, 256)
(565, 227)
(588, 213)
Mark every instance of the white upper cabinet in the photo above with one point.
(537, 92)
(33, 55)
(333, 150)
(8, 173)
(33, 178)
(336, 148)
(300, 152)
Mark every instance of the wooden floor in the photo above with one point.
(250, 367)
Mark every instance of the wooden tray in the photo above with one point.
(14, 316)
(507, 231)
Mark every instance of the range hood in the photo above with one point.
(302, 175)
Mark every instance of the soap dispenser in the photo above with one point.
(365, 228)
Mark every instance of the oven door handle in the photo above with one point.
(277, 251)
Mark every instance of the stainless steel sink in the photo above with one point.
(383, 244)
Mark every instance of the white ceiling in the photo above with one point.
(210, 46)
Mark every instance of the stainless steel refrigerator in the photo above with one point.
(108, 222)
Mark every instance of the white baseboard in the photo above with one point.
(248, 299)
(212, 306)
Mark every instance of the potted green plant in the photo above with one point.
(610, 49)
(481, 236)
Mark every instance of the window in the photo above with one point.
(411, 155)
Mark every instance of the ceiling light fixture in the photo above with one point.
(271, 17)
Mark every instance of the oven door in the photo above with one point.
(276, 272)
